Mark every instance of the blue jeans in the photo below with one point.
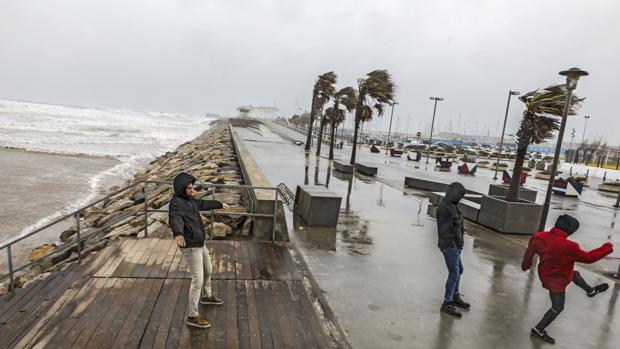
(452, 256)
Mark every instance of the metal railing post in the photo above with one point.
(275, 215)
(212, 213)
(12, 281)
(79, 239)
(146, 205)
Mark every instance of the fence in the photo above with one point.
(79, 213)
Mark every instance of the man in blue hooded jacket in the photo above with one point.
(189, 232)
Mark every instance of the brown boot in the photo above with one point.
(198, 321)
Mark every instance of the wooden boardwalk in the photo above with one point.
(134, 294)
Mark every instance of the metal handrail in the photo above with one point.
(77, 213)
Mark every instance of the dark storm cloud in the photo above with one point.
(211, 56)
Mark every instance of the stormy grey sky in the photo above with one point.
(195, 56)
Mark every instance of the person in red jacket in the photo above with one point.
(557, 257)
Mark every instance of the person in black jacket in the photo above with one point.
(450, 232)
(189, 232)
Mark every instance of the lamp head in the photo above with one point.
(572, 76)
(514, 93)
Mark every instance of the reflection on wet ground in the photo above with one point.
(383, 274)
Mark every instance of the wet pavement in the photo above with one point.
(383, 274)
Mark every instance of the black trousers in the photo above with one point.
(558, 299)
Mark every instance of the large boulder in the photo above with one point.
(41, 251)
(220, 231)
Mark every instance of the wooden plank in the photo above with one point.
(232, 262)
(64, 321)
(220, 328)
(157, 270)
(166, 264)
(242, 316)
(232, 333)
(93, 315)
(163, 302)
(273, 324)
(290, 316)
(148, 245)
(114, 317)
(128, 253)
(149, 264)
(118, 296)
(17, 317)
(243, 255)
(142, 320)
(150, 291)
(173, 271)
(286, 330)
(38, 306)
(109, 269)
(105, 263)
(39, 327)
(262, 315)
(253, 325)
(168, 312)
(100, 258)
(294, 268)
(251, 249)
(309, 339)
(211, 312)
(311, 315)
(72, 328)
(14, 304)
(178, 318)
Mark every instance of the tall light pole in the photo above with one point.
(583, 137)
(572, 76)
(501, 142)
(387, 145)
(570, 147)
(430, 140)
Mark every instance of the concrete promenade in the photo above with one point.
(383, 274)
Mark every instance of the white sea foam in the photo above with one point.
(133, 137)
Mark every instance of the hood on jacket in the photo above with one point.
(568, 224)
(180, 183)
(455, 192)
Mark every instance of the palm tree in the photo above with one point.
(540, 120)
(375, 90)
(347, 96)
(322, 91)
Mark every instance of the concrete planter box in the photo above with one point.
(317, 205)
(509, 217)
(365, 169)
(469, 205)
(501, 190)
(342, 167)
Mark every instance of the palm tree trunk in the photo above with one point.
(331, 141)
(309, 138)
(513, 191)
(353, 151)
(320, 137)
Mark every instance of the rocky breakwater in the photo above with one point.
(210, 158)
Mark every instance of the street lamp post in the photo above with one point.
(430, 140)
(387, 145)
(570, 147)
(501, 142)
(572, 76)
(583, 137)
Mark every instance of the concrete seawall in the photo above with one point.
(262, 200)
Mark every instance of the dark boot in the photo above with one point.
(542, 334)
(459, 302)
(598, 289)
(450, 310)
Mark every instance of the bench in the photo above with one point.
(365, 169)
